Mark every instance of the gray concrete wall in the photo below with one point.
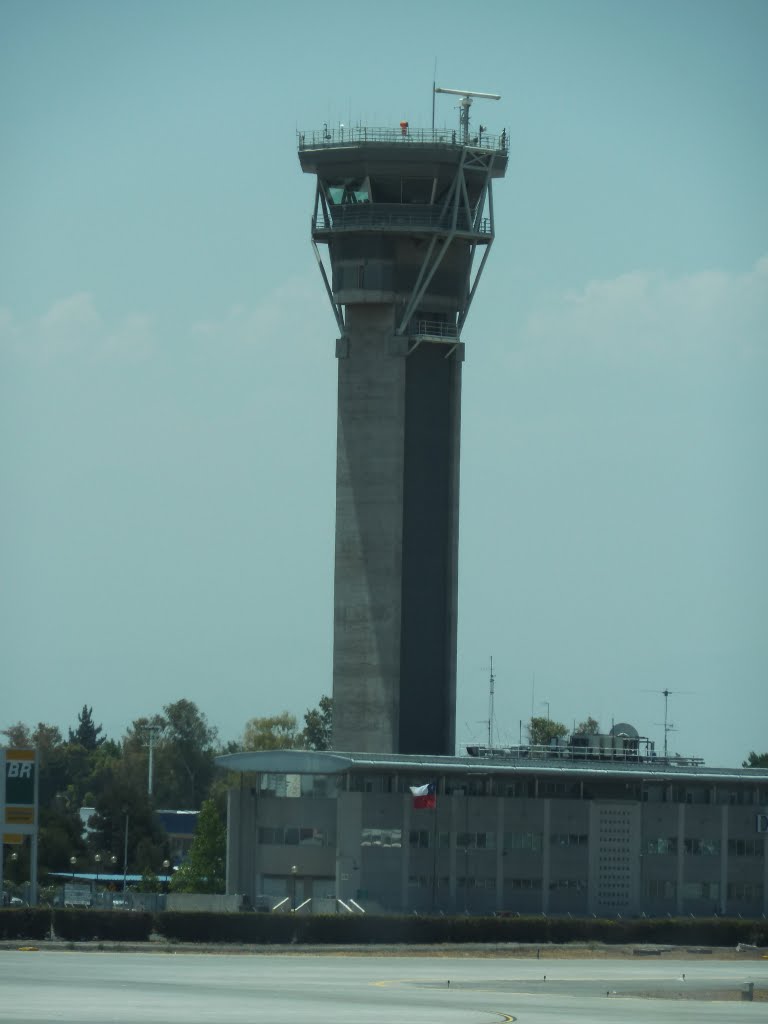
(369, 530)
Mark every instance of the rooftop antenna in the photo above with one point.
(668, 726)
(467, 96)
(492, 685)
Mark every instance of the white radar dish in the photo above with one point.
(625, 729)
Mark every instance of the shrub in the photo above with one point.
(25, 923)
(79, 925)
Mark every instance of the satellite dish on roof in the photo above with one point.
(625, 729)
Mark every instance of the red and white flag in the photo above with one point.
(424, 797)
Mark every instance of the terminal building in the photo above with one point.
(553, 832)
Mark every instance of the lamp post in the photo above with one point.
(125, 849)
(73, 862)
(294, 869)
(97, 861)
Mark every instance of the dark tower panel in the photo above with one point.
(404, 219)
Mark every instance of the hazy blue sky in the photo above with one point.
(168, 381)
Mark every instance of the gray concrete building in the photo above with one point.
(553, 835)
(407, 219)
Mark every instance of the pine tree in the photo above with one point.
(86, 735)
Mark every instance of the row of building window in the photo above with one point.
(707, 847)
(328, 786)
(290, 836)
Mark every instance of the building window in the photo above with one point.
(745, 892)
(571, 884)
(660, 889)
(422, 839)
(568, 839)
(523, 841)
(746, 847)
(702, 847)
(701, 891)
(472, 882)
(294, 836)
(476, 840)
(524, 884)
(662, 845)
(386, 838)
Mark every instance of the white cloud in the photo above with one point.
(642, 313)
(74, 326)
(296, 311)
(75, 312)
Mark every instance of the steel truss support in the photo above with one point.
(463, 222)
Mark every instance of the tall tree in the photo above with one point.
(755, 760)
(204, 868)
(318, 725)
(589, 727)
(87, 732)
(17, 735)
(275, 732)
(541, 731)
(185, 754)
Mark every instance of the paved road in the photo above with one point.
(140, 988)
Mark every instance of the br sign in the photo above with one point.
(762, 823)
(19, 786)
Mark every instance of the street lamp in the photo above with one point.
(97, 859)
(73, 862)
(545, 703)
(294, 869)
(125, 848)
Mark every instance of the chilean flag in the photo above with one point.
(424, 797)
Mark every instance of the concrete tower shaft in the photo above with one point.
(404, 217)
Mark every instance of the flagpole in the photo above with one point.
(434, 850)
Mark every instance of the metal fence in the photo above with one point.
(327, 137)
(382, 216)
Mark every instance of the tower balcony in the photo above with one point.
(397, 218)
(332, 138)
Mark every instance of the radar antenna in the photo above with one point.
(467, 96)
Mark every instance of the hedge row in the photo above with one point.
(262, 929)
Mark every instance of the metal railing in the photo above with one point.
(327, 137)
(433, 329)
(393, 216)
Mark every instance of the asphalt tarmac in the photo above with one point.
(162, 988)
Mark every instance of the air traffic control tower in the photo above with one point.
(407, 217)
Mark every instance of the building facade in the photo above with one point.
(521, 836)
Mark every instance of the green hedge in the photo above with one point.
(81, 925)
(25, 923)
(368, 929)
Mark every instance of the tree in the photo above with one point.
(276, 732)
(542, 730)
(87, 732)
(589, 727)
(17, 735)
(204, 868)
(318, 725)
(755, 760)
(185, 754)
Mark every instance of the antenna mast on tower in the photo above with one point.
(466, 102)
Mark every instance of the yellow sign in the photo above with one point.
(19, 815)
(19, 754)
(12, 839)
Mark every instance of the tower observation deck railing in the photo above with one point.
(392, 216)
(329, 137)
